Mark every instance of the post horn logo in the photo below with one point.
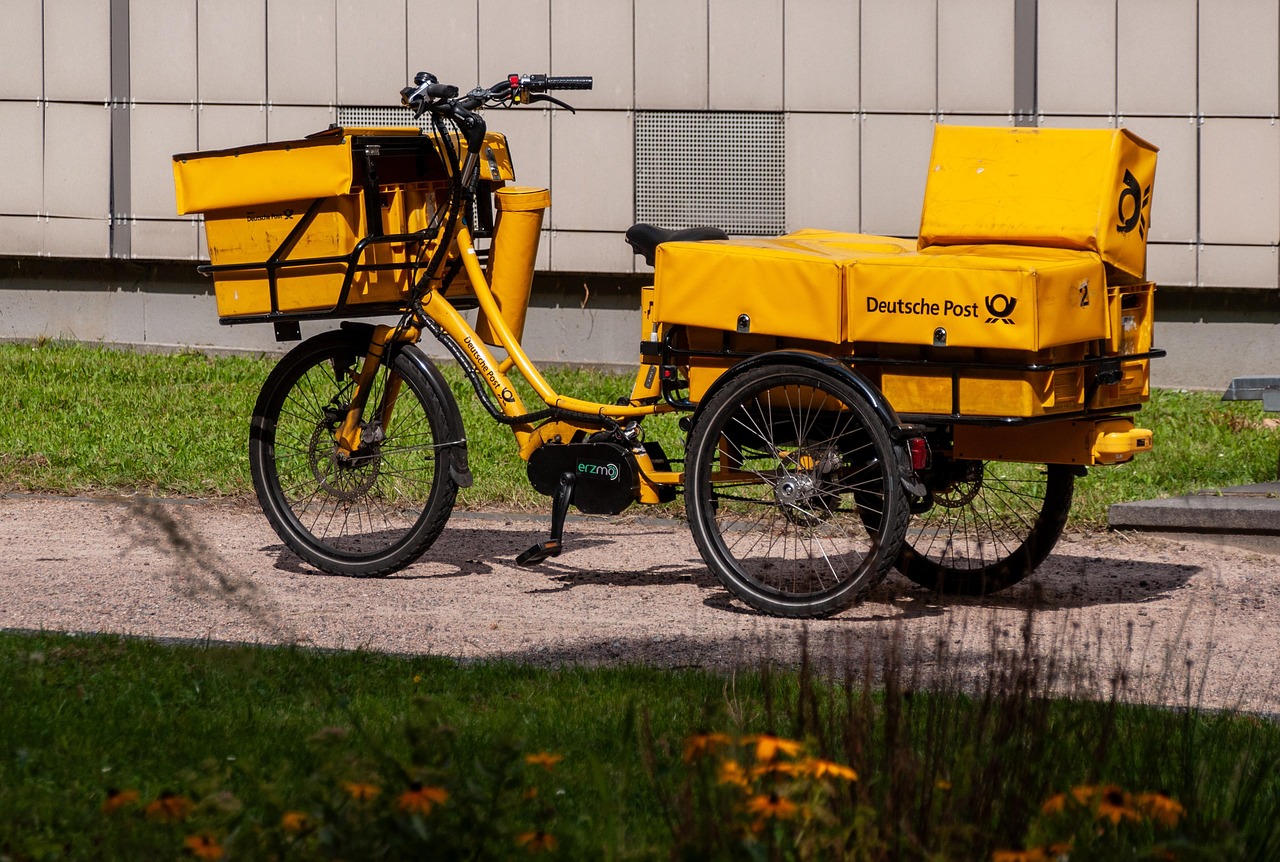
(1000, 307)
(1137, 206)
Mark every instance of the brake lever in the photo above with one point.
(543, 97)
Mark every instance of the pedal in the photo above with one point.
(560, 501)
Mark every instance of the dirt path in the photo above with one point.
(625, 591)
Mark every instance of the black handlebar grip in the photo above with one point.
(569, 82)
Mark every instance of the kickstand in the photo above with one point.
(559, 511)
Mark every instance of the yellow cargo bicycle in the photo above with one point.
(852, 403)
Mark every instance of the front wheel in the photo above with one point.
(989, 525)
(376, 510)
(793, 492)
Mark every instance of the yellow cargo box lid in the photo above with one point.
(318, 167)
(1084, 189)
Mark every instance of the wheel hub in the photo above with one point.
(345, 479)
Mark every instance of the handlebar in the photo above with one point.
(542, 83)
(428, 94)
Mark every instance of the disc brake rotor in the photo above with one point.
(344, 479)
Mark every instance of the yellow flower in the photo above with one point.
(295, 822)
(1033, 854)
(769, 747)
(544, 759)
(203, 846)
(701, 744)
(417, 678)
(169, 807)
(117, 799)
(1055, 804)
(537, 842)
(1115, 805)
(360, 791)
(941, 784)
(420, 800)
(776, 768)
(731, 772)
(822, 768)
(772, 806)
(1160, 808)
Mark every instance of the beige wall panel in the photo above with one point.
(1239, 181)
(895, 164)
(1240, 57)
(1052, 122)
(515, 36)
(593, 170)
(444, 40)
(221, 127)
(21, 57)
(821, 55)
(77, 50)
(371, 52)
(162, 50)
(164, 240)
(1156, 47)
(286, 123)
(77, 161)
(1170, 264)
(590, 251)
(232, 36)
(822, 171)
(528, 132)
(671, 54)
(1239, 266)
(301, 55)
(985, 120)
(156, 132)
(1076, 56)
(594, 37)
(975, 56)
(21, 235)
(1176, 195)
(77, 237)
(745, 55)
(22, 142)
(899, 55)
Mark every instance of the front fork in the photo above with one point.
(348, 436)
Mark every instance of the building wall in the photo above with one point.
(96, 94)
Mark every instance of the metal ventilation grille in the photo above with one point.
(724, 169)
(378, 117)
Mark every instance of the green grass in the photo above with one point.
(87, 420)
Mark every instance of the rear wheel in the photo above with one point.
(987, 526)
(792, 491)
(369, 513)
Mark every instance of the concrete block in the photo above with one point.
(1239, 181)
(21, 55)
(21, 235)
(899, 56)
(162, 50)
(745, 55)
(671, 54)
(22, 142)
(1239, 266)
(77, 160)
(156, 132)
(1176, 196)
(500, 54)
(372, 56)
(820, 56)
(164, 240)
(1156, 40)
(232, 38)
(595, 37)
(444, 39)
(822, 171)
(77, 237)
(301, 64)
(1076, 56)
(589, 251)
(1171, 264)
(221, 127)
(975, 56)
(528, 133)
(1240, 58)
(593, 170)
(895, 164)
(77, 50)
(287, 123)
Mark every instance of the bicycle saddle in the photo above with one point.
(645, 238)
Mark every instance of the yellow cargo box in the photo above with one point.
(1083, 189)
(1002, 297)
(265, 173)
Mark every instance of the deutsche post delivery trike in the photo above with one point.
(853, 403)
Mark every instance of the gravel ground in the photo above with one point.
(630, 590)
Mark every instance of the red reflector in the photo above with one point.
(919, 453)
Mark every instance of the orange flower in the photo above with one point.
(1055, 804)
(1160, 808)
(941, 783)
(295, 822)
(203, 846)
(420, 800)
(117, 799)
(360, 791)
(772, 806)
(776, 768)
(1115, 805)
(701, 744)
(1033, 854)
(769, 747)
(169, 807)
(822, 768)
(731, 772)
(544, 759)
(537, 842)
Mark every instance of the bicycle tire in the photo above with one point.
(791, 537)
(989, 530)
(375, 512)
